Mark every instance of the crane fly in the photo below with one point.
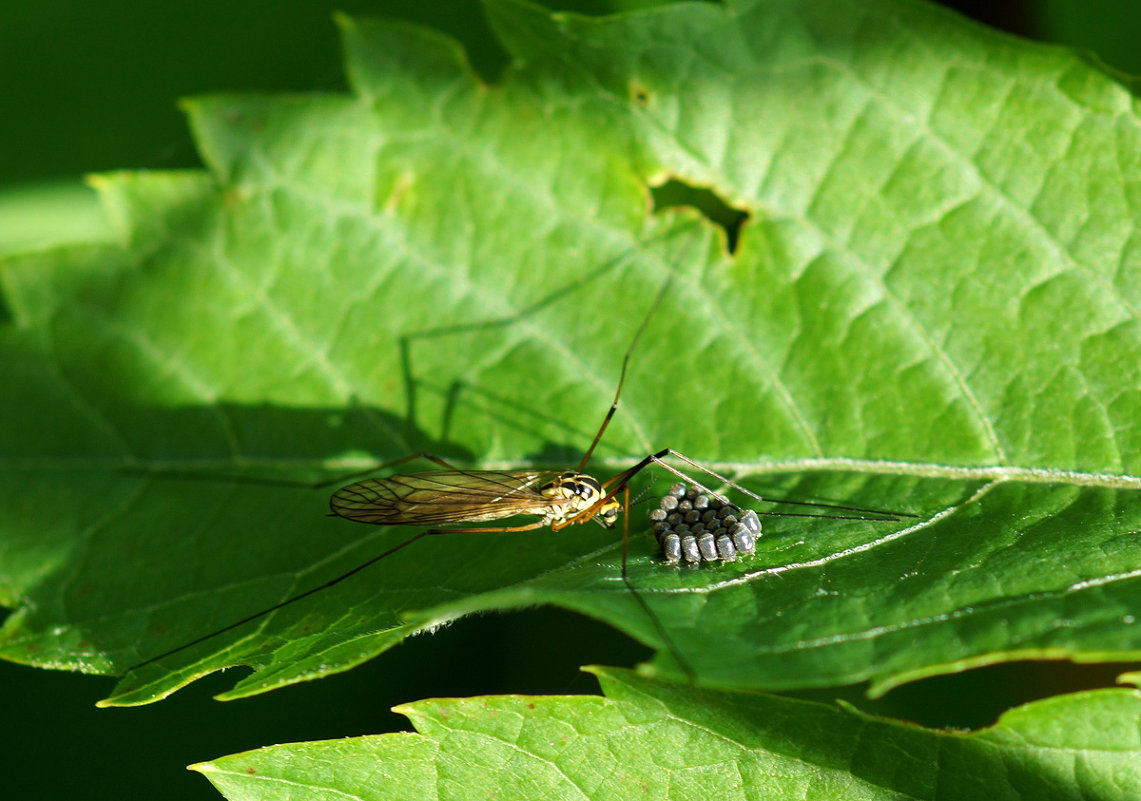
(557, 498)
(451, 496)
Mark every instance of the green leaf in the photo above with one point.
(933, 308)
(49, 213)
(654, 740)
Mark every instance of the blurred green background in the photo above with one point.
(91, 87)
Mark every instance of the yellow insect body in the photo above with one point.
(447, 497)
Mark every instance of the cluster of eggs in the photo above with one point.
(699, 527)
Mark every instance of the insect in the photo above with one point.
(446, 499)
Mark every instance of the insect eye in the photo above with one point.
(588, 486)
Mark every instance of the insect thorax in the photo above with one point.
(574, 493)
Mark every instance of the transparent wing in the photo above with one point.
(443, 497)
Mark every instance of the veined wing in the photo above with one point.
(444, 497)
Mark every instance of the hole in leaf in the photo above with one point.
(639, 94)
(676, 193)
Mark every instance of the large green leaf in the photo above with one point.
(932, 309)
(652, 740)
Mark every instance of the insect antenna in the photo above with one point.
(641, 496)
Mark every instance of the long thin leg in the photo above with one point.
(886, 515)
(332, 583)
(622, 375)
(685, 666)
(623, 486)
(620, 480)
